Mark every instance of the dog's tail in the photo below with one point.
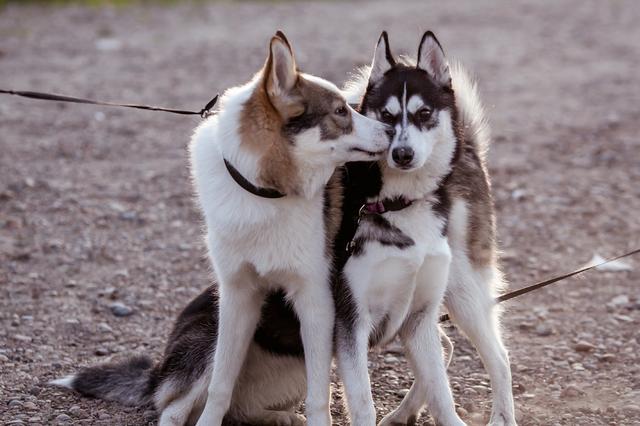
(129, 382)
(471, 111)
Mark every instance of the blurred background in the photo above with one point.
(100, 240)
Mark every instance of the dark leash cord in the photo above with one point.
(539, 285)
(204, 112)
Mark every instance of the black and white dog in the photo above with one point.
(425, 235)
(419, 228)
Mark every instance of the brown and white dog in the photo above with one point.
(260, 166)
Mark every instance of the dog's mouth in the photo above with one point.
(369, 153)
(406, 168)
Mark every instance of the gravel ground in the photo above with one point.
(96, 206)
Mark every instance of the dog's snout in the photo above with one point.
(402, 156)
(390, 131)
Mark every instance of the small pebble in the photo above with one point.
(543, 330)
(462, 412)
(105, 328)
(120, 309)
(620, 300)
(29, 405)
(22, 338)
(571, 391)
(583, 346)
(633, 410)
(403, 392)
(607, 357)
(15, 403)
(149, 415)
(75, 410)
(63, 418)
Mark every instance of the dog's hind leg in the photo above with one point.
(472, 308)
(269, 389)
(185, 410)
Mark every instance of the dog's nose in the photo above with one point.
(402, 156)
(391, 132)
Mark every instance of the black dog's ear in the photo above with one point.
(382, 58)
(432, 60)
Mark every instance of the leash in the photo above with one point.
(379, 207)
(541, 284)
(204, 112)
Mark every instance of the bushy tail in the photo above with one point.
(129, 382)
(472, 116)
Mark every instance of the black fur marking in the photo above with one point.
(442, 206)
(378, 332)
(192, 341)
(426, 125)
(305, 121)
(279, 329)
(360, 180)
(418, 82)
(374, 227)
(346, 314)
(411, 322)
(310, 119)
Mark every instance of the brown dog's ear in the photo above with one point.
(432, 60)
(280, 71)
(383, 60)
(283, 37)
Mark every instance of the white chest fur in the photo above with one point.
(277, 237)
(383, 277)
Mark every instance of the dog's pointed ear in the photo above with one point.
(383, 60)
(432, 60)
(280, 70)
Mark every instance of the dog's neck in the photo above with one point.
(264, 155)
(412, 185)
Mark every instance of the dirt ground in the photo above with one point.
(96, 205)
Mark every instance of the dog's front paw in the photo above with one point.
(395, 418)
(318, 418)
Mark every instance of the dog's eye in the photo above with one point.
(341, 111)
(386, 116)
(424, 114)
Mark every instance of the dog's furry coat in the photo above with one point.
(287, 131)
(440, 249)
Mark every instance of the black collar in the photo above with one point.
(249, 187)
